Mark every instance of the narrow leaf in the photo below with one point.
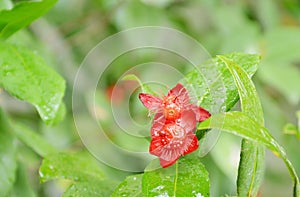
(131, 187)
(145, 88)
(251, 166)
(238, 123)
(21, 15)
(26, 76)
(188, 177)
(33, 140)
(8, 163)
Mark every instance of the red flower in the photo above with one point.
(173, 104)
(174, 124)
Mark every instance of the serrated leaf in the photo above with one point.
(26, 76)
(130, 187)
(22, 186)
(8, 163)
(72, 166)
(21, 15)
(238, 123)
(91, 188)
(251, 166)
(188, 177)
(33, 140)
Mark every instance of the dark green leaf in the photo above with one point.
(26, 76)
(188, 177)
(33, 140)
(131, 187)
(238, 123)
(251, 166)
(8, 163)
(22, 186)
(21, 15)
(77, 167)
(213, 83)
(90, 189)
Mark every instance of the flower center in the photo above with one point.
(172, 108)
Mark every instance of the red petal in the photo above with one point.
(193, 146)
(151, 102)
(188, 120)
(165, 163)
(180, 91)
(159, 122)
(204, 114)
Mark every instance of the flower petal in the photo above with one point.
(193, 146)
(153, 103)
(165, 163)
(159, 122)
(181, 93)
(204, 114)
(188, 120)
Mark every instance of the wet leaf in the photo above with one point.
(188, 177)
(91, 188)
(26, 76)
(213, 84)
(8, 163)
(72, 166)
(238, 123)
(131, 187)
(251, 166)
(21, 15)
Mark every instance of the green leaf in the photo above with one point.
(72, 166)
(188, 177)
(33, 140)
(26, 76)
(90, 188)
(238, 123)
(131, 187)
(251, 166)
(21, 15)
(22, 186)
(5, 4)
(8, 163)
(213, 83)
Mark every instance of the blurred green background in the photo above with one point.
(271, 28)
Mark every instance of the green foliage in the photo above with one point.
(251, 165)
(33, 140)
(213, 83)
(131, 187)
(238, 123)
(26, 76)
(188, 177)
(8, 162)
(21, 15)
(22, 186)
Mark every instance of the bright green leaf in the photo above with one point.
(90, 188)
(213, 83)
(33, 140)
(130, 187)
(77, 167)
(22, 186)
(251, 166)
(188, 177)
(8, 163)
(238, 123)
(21, 15)
(26, 76)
